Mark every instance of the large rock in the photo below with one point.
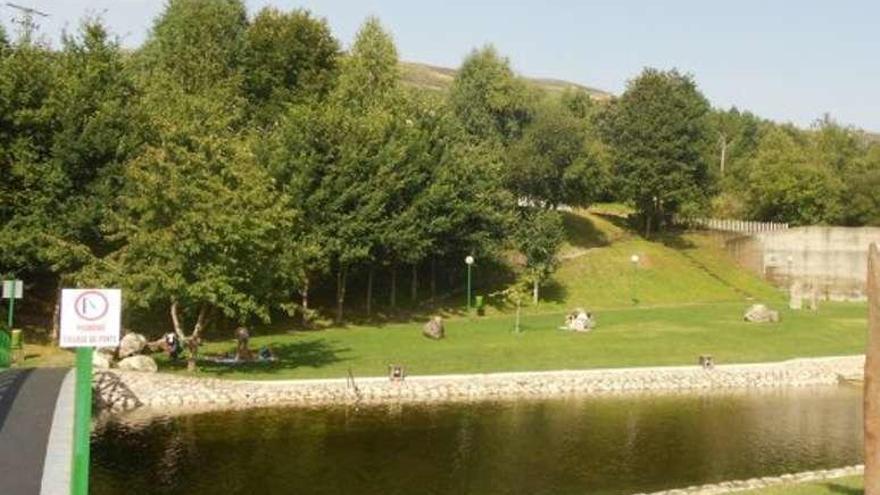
(100, 361)
(759, 313)
(139, 363)
(434, 329)
(131, 344)
(580, 320)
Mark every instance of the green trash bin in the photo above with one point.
(5, 348)
(478, 303)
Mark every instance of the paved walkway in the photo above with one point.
(28, 400)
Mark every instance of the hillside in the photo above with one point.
(440, 78)
(596, 271)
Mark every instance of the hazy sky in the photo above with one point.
(785, 60)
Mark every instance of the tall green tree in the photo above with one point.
(657, 130)
(787, 184)
(288, 56)
(553, 163)
(197, 43)
(197, 220)
(490, 100)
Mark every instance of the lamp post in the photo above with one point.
(469, 261)
(634, 259)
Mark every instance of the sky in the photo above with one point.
(784, 60)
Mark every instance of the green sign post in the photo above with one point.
(82, 422)
(12, 290)
(89, 318)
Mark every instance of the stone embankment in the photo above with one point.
(766, 482)
(126, 390)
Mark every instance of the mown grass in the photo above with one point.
(842, 486)
(655, 336)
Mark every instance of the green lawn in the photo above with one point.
(624, 337)
(841, 486)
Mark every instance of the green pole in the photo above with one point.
(82, 422)
(11, 309)
(469, 289)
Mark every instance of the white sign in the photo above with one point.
(90, 317)
(11, 287)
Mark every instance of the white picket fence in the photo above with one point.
(729, 225)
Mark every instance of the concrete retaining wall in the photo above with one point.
(123, 391)
(832, 259)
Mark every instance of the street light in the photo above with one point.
(469, 261)
(634, 259)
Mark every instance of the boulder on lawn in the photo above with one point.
(131, 344)
(434, 328)
(100, 361)
(759, 313)
(139, 363)
(580, 320)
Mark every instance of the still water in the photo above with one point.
(610, 445)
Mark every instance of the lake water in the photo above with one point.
(607, 445)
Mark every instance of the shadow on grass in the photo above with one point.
(292, 355)
(674, 239)
(846, 490)
(581, 232)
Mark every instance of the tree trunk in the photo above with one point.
(394, 286)
(414, 287)
(723, 153)
(193, 341)
(518, 310)
(648, 219)
(535, 291)
(304, 292)
(872, 374)
(340, 293)
(370, 290)
(433, 277)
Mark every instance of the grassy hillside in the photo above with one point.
(596, 271)
(440, 78)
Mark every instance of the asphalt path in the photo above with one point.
(27, 405)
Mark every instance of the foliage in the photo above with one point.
(538, 236)
(552, 164)
(488, 98)
(287, 56)
(785, 185)
(656, 131)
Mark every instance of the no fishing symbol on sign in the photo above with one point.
(90, 317)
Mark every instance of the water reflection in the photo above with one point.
(611, 445)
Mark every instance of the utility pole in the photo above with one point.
(26, 21)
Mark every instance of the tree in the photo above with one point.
(488, 98)
(656, 131)
(552, 164)
(197, 221)
(197, 43)
(288, 56)
(786, 184)
(539, 233)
